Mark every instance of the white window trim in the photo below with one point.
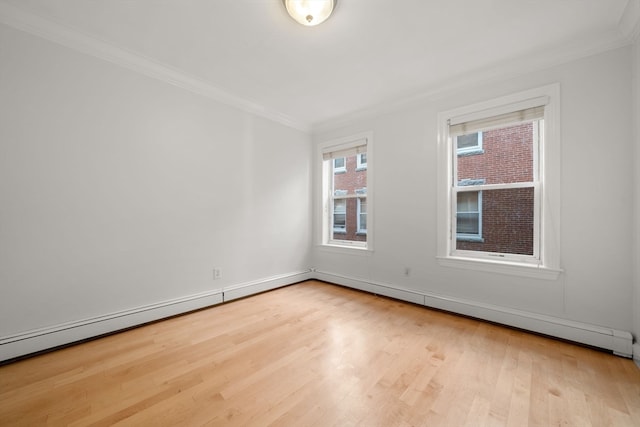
(549, 167)
(323, 226)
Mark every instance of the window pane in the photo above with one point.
(507, 222)
(468, 223)
(467, 141)
(507, 157)
(468, 214)
(339, 215)
(362, 215)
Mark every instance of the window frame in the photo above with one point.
(324, 211)
(548, 264)
(342, 168)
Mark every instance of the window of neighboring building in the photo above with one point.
(361, 161)
(469, 216)
(491, 206)
(339, 215)
(362, 215)
(346, 213)
(469, 144)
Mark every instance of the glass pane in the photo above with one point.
(507, 156)
(467, 223)
(468, 201)
(362, 226)
(506, 224)
(346, 186)
(467, 141)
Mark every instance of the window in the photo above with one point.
(346, 213)
(491, 183)
(469, 144)
(339, 215)
(469, 216)
(362, 215)
(361, 161)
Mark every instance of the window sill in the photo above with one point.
(472, 152)
(470, 239)
(345, 249)
(501, 267)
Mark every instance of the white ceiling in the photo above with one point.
(369, 53)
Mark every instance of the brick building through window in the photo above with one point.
(496, 220)
(350, 198)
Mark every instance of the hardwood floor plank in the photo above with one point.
(319, 355)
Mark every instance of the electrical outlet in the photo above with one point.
(217, 273)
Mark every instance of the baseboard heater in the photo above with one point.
(42, 339)
(619, 342)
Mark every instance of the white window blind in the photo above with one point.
(345, 150)
(531, 109)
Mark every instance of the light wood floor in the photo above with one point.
(315, 354)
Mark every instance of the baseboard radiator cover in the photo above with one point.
(617, 341)
(257, 286)
(41, 339)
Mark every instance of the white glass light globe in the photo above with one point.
(310, 12)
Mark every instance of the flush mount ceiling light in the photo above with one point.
(310, 12)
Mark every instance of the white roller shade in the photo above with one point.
(532, 109)
(345, 150)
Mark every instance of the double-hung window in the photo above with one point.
(346, 216)
(498, 184)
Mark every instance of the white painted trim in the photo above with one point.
(24, 343)
(619, 342)
(73, 39)
(28, 342)
(371, 287)
(257, 286)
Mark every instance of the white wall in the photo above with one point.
(119, 191)
(636, 178)
(597, 173)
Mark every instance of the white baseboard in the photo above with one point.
(28, 342)
(25, 343)
(263, 285)
(619, 342)
(372, 287)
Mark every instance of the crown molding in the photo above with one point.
(74, 39)
(625, 33)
